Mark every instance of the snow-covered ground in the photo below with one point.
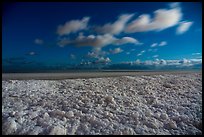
(156, 104)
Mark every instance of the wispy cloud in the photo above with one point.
(139, 54)
(103, 60)
(38, 41)
(137, 61)
(163, 43)
(73, 26)
(183, 27)
(174, 4)
(196, 53)
(32, 53)
(98, 40)
(163, 19)
(126, 40)
(116, 50)
(155, 56)
(162, 62)
(154, 45)
(96, 62)
(97, 53)
(116, 27)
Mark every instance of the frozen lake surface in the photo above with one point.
(144, 104)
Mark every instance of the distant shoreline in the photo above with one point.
(86, 74)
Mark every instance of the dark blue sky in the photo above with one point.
(53, 34)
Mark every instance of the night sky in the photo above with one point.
(59, 36)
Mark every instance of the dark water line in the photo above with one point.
(75, 75)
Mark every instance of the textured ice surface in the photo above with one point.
(158, 104)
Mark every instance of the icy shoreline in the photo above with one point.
(157, 104)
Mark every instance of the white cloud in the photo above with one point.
(163, 19)
(165, 63)
(97, 53)
(92, 54)
(32, 53)
(163, 43)
(116, 27)
(137, 61)
(184, 61)
(174, 4)
(126, 40)
(183, 27)
(116, 51)
(199, 57)
(196, 53)
(94, 41)
(155, 56)
(139, 54)
(39, 41)
(98, 41)
(73, 26)
(154, 45)
(103, 60)
(156, 62)
(148, 62)
(173, 62)
(196, 61)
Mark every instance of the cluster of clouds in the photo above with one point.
(152, 50)
(163, 43)
(98, 54)
(105, 34)
(98, 37)
(162, 19)
(196, 53)
(116, 50)
(141, 52)
(97, 40)
(103, 60)
(98, 61)
(162, 62)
